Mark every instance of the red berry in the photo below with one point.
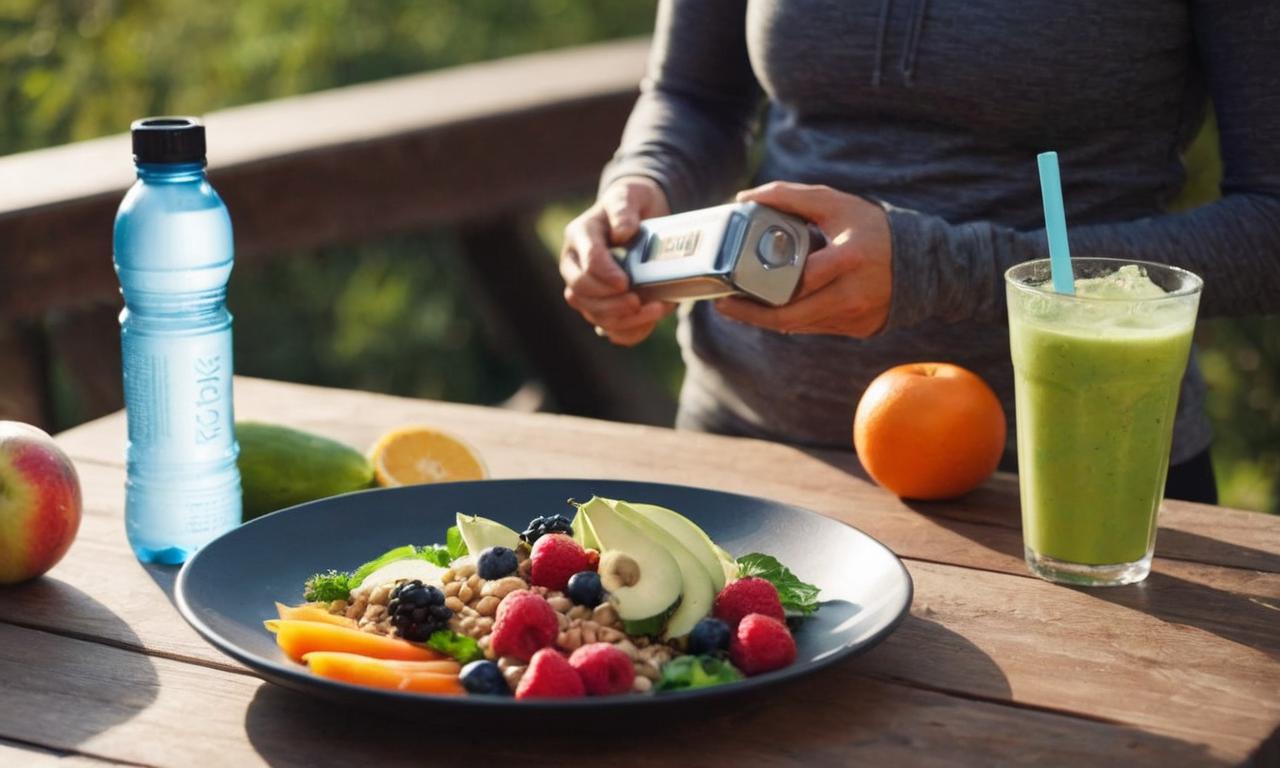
(525, 622)
(556, 557)
(593, 560)
(761, 644)
(549, 676)
(744, 596)
(604, 669)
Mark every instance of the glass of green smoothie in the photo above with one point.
(1096, 378)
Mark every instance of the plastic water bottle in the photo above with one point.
(173, 255)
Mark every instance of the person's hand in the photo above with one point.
(594, 283)
(846, 286)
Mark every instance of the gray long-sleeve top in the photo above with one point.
(937, 109)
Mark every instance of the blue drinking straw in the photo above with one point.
(1055, 223)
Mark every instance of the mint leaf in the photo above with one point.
(460, 647)
(454, 544)
(798, 598)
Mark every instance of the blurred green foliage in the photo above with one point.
(397, 315)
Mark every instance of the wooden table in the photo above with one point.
(992, 667)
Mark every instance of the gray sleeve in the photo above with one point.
(952, 272)
(693, 122)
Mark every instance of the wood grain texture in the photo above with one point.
(548, 445)
(115, 704)
(1191, 654)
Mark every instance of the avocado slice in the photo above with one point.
(691, 536)
(727, 562)
(480, 533)
(696, 594)
(641, 576)
(582, 532)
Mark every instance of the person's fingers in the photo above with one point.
(630, 338)
(624, 209)
(811, 202)
(790, 318)
(603, 310)
(820, 269)
(586, 244)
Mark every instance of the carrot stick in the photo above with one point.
(379, 673)
(297, 638)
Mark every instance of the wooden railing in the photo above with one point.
(480, 148)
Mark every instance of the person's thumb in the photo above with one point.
(624, 222)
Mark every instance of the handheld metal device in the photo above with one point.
(736, 249)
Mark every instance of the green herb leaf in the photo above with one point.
(436, 555)
(327, 587)
(399, 553)
(460, 647)
(454, 543)
(798, 598)
(696, 672)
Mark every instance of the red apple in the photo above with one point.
(39, 502)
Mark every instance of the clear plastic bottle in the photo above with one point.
(173, 254)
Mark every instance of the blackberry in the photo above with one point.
(541, 526)
(416, 610)
(496, 562)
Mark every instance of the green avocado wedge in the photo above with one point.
(691, 536)
(582, 532)
(696, 594)
(480, 533)
(281, 467)
(640, 575)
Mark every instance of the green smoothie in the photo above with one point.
(1096, 381)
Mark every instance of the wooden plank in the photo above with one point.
(126, 706)
(20, 756)
(1207, 632)
(546, 445)
(337, 166)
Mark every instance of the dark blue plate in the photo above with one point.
(230, 587)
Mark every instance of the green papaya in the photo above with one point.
(280, 467)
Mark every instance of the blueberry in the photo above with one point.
(585, 589)
(496, 562)
(709, 636)
(484, 677)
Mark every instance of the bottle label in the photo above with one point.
(178, 395)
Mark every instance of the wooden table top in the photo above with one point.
(992, 667)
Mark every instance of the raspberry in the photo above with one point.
(550, 676)
(761, 644)
(556, 557)
(604, 670)
(525, 622)
(744, 596)
(593, 559)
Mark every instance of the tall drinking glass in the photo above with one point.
(1096, 377)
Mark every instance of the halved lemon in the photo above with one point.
(416, 455)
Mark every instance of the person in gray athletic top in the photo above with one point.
(908, 132)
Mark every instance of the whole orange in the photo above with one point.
(929, 430)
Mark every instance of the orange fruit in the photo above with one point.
(929, 430)
(415, 455)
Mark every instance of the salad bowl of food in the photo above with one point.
(541, 594)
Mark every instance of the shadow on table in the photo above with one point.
(1241, 618)
(1185, 545)
(90, 687)
(870, 708)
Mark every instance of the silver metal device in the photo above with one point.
(736, 249)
